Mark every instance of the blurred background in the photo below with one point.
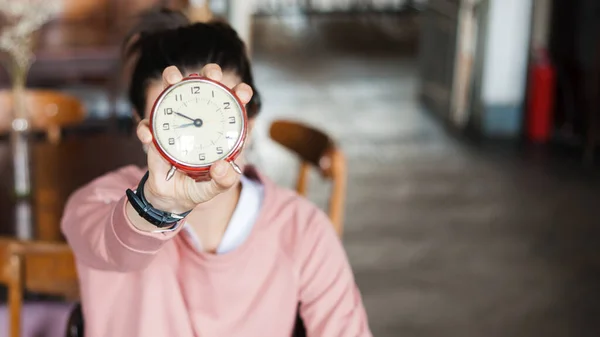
(455, 151)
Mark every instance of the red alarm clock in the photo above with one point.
(195, 123)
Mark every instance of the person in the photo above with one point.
(250, 257)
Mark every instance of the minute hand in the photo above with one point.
(184, 116)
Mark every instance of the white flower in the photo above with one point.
(24, 18)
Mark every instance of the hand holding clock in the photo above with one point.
(182, 193)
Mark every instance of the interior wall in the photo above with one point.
(575, 52)
(540, 31)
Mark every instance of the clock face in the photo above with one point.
(197, 122)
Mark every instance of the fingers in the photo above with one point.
(155, 159)
(244, 92)
(212, 71)
(157, 164)
(171, 75)
(143, 132)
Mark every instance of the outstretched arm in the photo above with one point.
(103, 229)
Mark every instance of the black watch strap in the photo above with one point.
(154, 216)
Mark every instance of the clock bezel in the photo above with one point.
(186, 167)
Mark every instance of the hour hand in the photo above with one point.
(184, 116)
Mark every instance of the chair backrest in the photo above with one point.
(315, 149)
(49, 111)
(111, 12)
(79, 10)
(47, 268)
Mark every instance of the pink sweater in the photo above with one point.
(142, 284)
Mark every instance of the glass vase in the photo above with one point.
(20, 128)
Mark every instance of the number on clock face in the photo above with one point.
(197, 123)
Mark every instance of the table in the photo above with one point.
(56, 172)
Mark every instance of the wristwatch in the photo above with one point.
(158, 218)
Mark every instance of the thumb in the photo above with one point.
(223, 178)
(143, 132)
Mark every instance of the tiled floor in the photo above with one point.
(446, 238)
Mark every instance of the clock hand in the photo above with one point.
(184, 116)
(196, 122)
(184, 125)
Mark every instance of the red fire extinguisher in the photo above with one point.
(541, 99)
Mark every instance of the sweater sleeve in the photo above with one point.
(98, 230)
(330, 302)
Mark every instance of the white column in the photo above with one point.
(240, 17)
(199, 11)
(505, 65)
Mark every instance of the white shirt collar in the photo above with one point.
(243, 218)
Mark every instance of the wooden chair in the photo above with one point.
(315, 149)
(45, 268)
(49, 111)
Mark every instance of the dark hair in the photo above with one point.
(165, 38)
